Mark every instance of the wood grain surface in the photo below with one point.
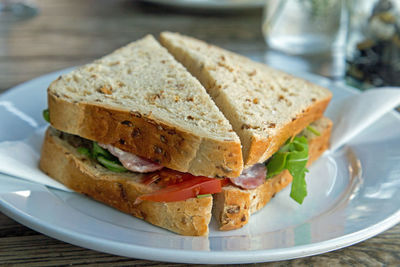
(70, 33)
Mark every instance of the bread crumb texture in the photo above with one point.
(265, 106)
(141, 100)
(143, 77)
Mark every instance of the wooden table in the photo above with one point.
(69, 33)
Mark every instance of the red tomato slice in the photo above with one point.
(166, 177)
(225, 181)
(197, 185)
(151, 178)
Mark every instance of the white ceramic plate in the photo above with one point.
(211, 4)
(354, 194)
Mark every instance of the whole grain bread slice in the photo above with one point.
(265, 106)
(234, 206)
(61, 160)
(141, 100)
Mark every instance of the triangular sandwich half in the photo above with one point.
(265, 106)
(138, 107)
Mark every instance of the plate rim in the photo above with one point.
(169, 255)
(207, 5)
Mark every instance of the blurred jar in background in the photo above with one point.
(307, 35)
(305, 26)
(15, 10)
(373, 51)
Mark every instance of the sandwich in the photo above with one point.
(144, 131)
(265, 106)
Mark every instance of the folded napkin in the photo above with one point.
(350, 115)
(21, 159)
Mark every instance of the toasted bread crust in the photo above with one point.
(234, 206)
(61, 162)
(239, 204)
(318, 144)
(261, 149)
(142, 135)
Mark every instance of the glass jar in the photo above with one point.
(301, 27)
(373, 50)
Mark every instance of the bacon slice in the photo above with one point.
(132, 162)
(251, 177)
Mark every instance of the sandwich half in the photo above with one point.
(137, 111)
(265, 106)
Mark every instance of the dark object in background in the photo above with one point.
(375, 61)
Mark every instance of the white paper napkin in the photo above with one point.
(354, 114)
(350, 117)
(21, 159)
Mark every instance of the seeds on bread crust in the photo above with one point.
(142, 95)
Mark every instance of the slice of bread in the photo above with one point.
(61, 160)
(233, 206)
(141, 100)
(265, 106)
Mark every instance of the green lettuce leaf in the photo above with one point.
(204, 195)
(84, 151)
(103, 157)
(99, 151)
(46, 115)
(114, 166)
(293, 156)
(313, 130)
(277, 164)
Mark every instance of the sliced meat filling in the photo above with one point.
(251, 177)
(132, 162)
